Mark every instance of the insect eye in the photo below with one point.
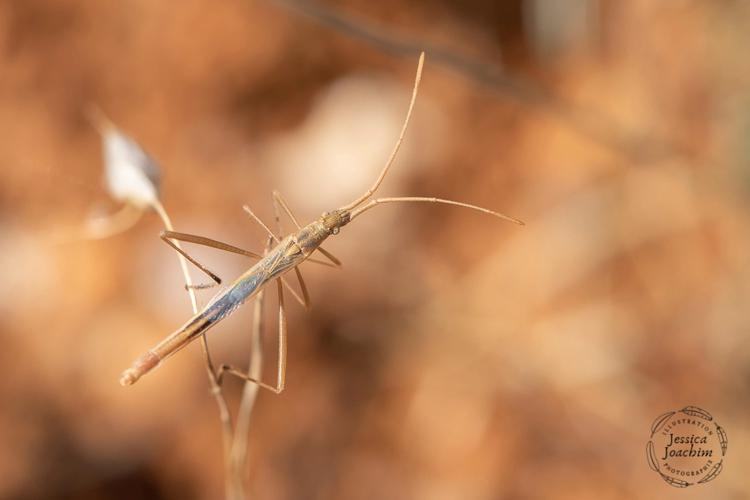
(335, 230)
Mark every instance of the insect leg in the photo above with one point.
(165, 237)
(249, 212)
(208, 242)
(303, 287)
(281, 367)
(330, 256)
(276, 202)
(202, 240)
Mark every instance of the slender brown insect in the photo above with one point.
(288, 254)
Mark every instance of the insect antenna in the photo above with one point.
(388, 164)
(378, 201)
(356, 203)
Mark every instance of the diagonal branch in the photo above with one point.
(596, 126)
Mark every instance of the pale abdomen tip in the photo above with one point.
(128, 377)
(141, 366)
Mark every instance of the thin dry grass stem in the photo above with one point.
(224, 415)
(133, 176)
(247, 402)
(99, 228)
(601, 128)
(159, 208)
(113, 224)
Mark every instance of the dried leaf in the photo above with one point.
(131, 175)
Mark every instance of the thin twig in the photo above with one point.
(249, 395)
(116, 223)
(101, 227)
(602, 129)
(224, 415)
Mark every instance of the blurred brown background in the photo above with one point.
(454, 356)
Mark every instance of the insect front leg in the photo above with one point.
(167, 236)
(252, 215)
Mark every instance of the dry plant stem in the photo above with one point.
(224, 415)
(249, 394)
(586, 120)
(113, 224)
(101, 228)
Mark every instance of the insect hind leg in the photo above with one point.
(282, 354)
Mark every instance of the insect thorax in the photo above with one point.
(310, 237)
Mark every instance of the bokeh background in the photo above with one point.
(454, 356)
